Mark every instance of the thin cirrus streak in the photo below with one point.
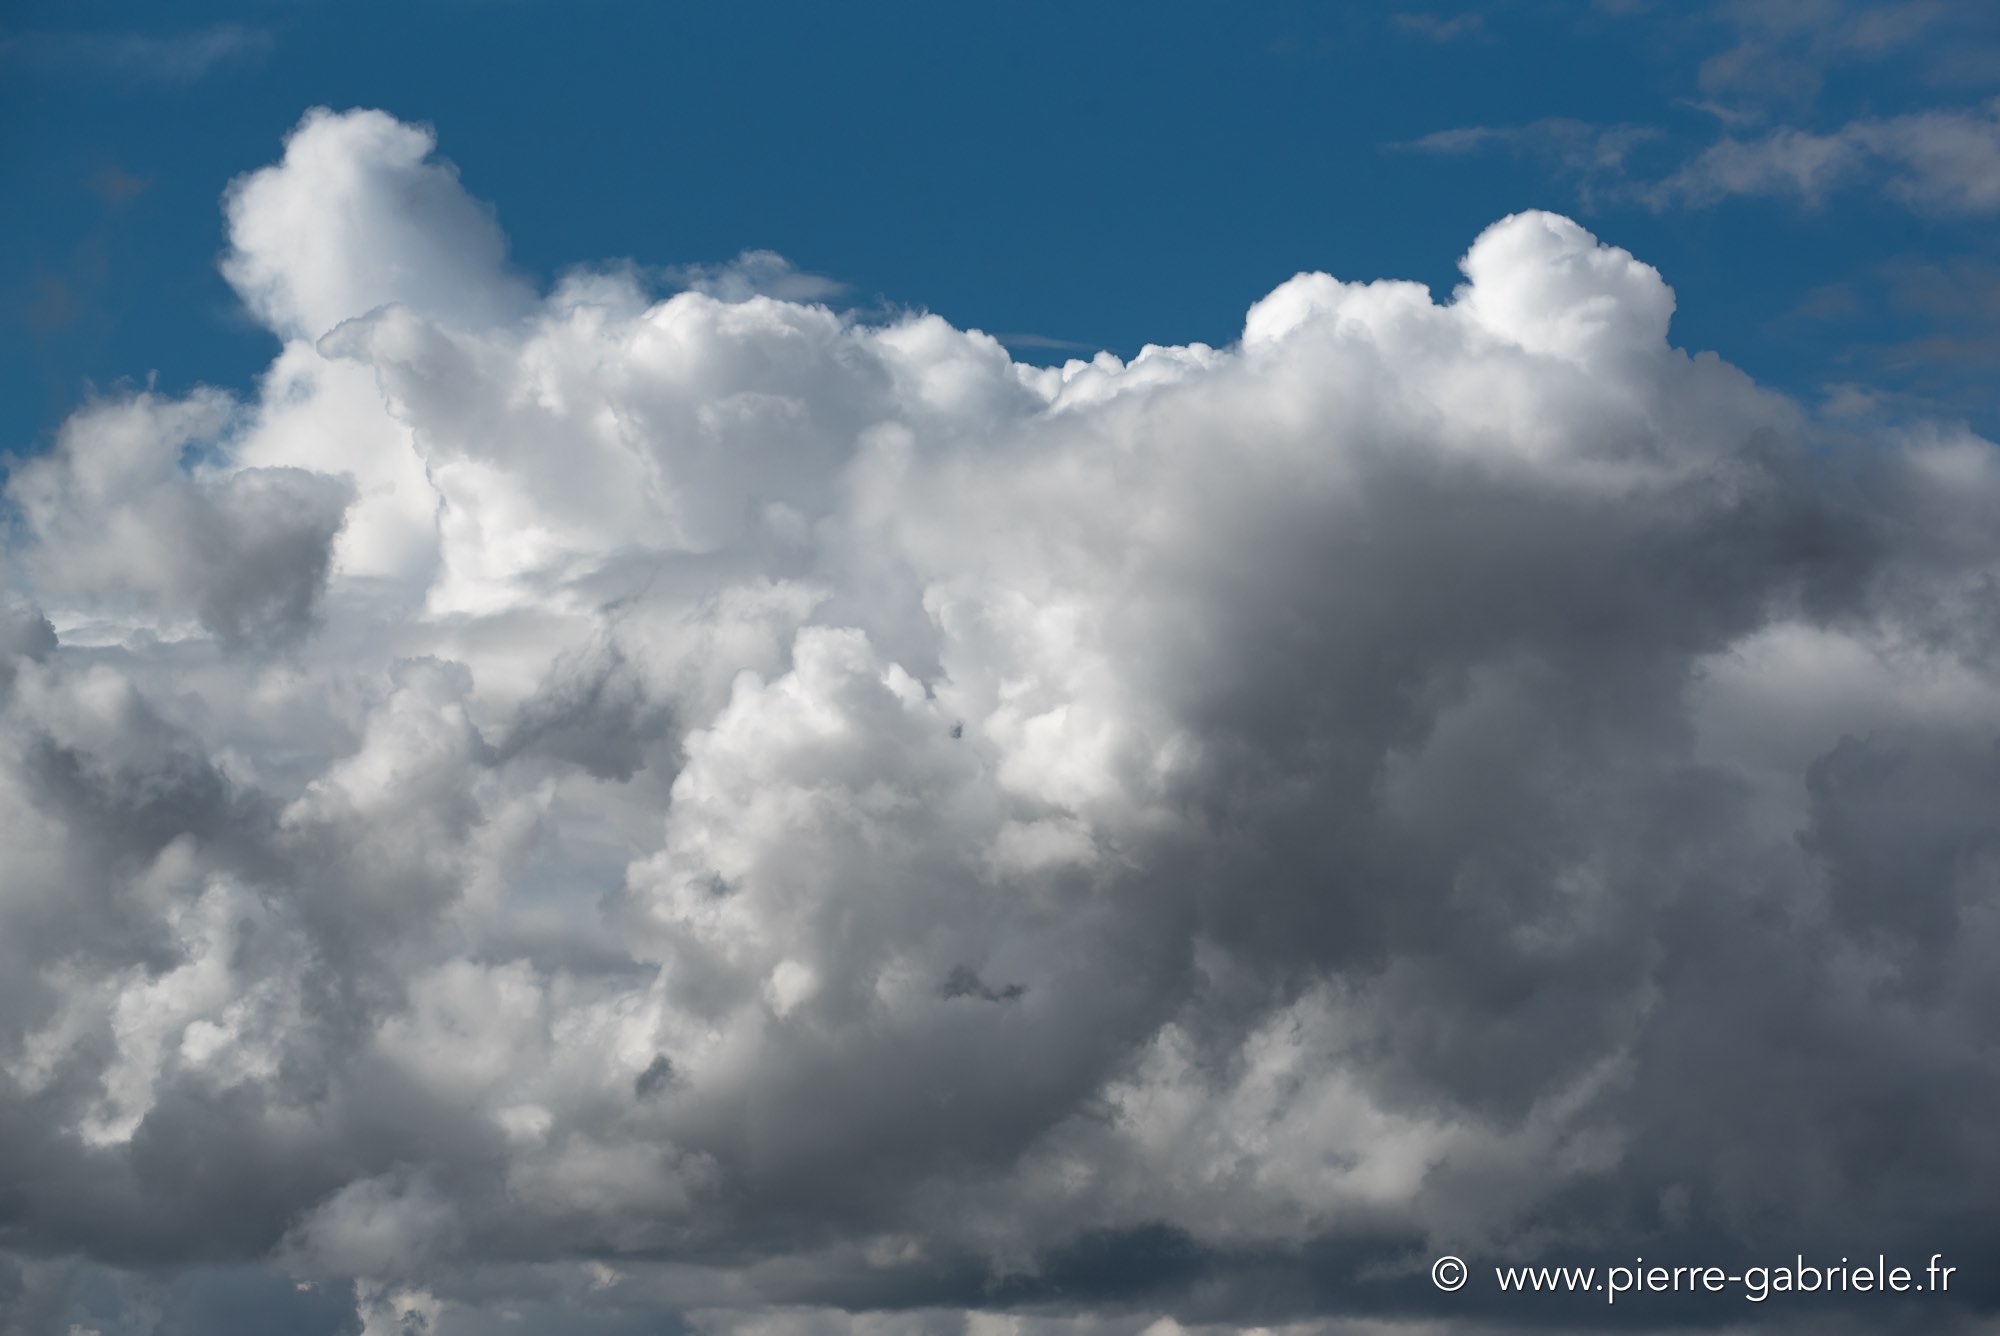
(618, 810)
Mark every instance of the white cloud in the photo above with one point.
(405, 231)
(718, 786)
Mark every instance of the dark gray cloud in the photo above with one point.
(596, 814)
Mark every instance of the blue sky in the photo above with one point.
(1076, 176)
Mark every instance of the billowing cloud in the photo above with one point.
(580, 811)
(116, 520)
(405, 232)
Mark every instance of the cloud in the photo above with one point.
(1935, 162)
(1597, 153)
(580, 811)
(116, 187)
(1945, 162)
(1764, 86)
(1044, 342)
(1440, 29)
(1780, 55)
(1922, 329)
(406, 233)
(69, 297)
(756, 273)
(114, 519)
(177, 58)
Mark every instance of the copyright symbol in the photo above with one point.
(1448, 1273)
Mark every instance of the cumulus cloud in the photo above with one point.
(115, 517)
(571, 811)
(407, 234)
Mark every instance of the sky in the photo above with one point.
(1083, 670)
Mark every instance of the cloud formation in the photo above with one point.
(576, 811)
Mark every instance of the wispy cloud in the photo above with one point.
(1780, 54)
(64, 295)
(116, 187)
(174, 58)
(755, 273)
(1936, 162)
(1786, 161)
(1577, 143)
(1922, 331)
(1044, 341)
(1440, 29)
(1596, 155)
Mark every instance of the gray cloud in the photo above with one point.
(577, 812)
(114, 515)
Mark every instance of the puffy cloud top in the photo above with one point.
(588, 806)
(355, 217)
